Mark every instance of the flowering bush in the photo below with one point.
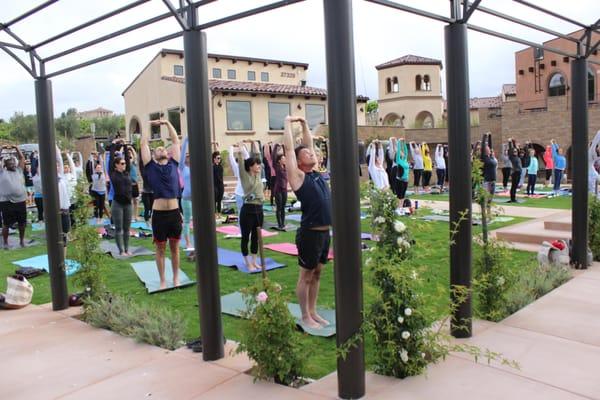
(270, 337)
(391, 233)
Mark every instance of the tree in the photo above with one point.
(23, 128)
(109, 126)
(372, 105)
(68, 124)
(5, 129)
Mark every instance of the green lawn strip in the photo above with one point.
(560, 202)
(431, 258)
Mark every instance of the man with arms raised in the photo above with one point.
(162, 176)
(13, 196)
(312, 238)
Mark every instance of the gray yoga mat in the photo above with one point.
(288, 227)
(111, 249)
(148, 274)
(233, 304)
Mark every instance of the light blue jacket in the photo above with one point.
(533, 166)
(560, 162)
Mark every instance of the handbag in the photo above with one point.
(18, 292)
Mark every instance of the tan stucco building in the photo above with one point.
(99, 112)
(249, 97)
(410, 92)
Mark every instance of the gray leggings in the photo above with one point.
(121, 215)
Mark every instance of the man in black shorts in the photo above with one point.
(13, 195)
(161, 174)
(312, 238)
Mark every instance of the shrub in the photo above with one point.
(270, 337)
(155, 325)
(494, 278)
(594, 229)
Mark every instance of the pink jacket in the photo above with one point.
(548, 158)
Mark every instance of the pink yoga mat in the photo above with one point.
(235, 230)
(290, 248)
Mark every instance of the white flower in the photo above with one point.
(400, 320)
(399, 226)
(407, 312)
(423, 355)
(404, 355)
(500, 281)
(368, 261)
(405, 335)
(379, 220)
(414, 274)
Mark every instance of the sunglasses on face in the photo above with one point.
(121, 163)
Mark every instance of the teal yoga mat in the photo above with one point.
(148, 274)
(233, 304)
(41, 262)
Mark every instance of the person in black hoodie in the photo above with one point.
(489, 164)
(515, 174)
(119, 167)
(218, 179)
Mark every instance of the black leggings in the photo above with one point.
(251, 218)
(147, 201)
(515, 178)
(280, 200)
(505, 176)
(531, 183)
(401, 188)
(417, 175)
(219, 191)
(39, 203)
(440, 176)
(99, 200)
(426, 178)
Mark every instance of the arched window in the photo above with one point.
(395, 85)
(392, 119)
(424, 120)
(418, 83)
(426, 83)
(388, 85)
(591, 85)
(557, 85)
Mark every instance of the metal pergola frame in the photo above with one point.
(344, 163)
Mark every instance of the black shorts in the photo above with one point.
(313, 247)
(13, 213)
(166, 225)
(135, 191)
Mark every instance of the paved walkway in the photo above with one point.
(556, 340)
(514, 211)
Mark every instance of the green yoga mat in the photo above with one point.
(233, 304)
(148, 274)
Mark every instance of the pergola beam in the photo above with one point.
(89, 23)
(175, 13)
(17, 59)
(27, 14)
(412, 10)
(551, 13)
(470, 9)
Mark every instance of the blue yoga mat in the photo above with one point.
(103, 222)
(294, 217)
(41, 262)
(38, 227)
(234, 259)
(141, 225)
(147, 272)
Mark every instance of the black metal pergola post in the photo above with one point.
(47, 152)
(579, 138)
(341, 96)
(203, 205)
(459, 157)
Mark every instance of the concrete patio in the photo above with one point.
(556, 340)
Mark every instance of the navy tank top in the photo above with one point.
(315, 200)
(163, 179)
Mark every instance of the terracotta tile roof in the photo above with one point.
(409, 60)
(481, 102)
(509, 89)
(218, 85)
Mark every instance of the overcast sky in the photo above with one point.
(293, 33)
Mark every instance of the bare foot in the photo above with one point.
(320, 319)
(311, 323)
(176, 282)
(163, 285)
(252, 267)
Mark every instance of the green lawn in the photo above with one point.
(560, 202)
(431, 257)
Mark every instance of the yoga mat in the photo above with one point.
(233, 304)
(38, 227)
(235, 230)
(234, 259)
(41, 262)
(13, 243)
(103, 222)
(147, 272)
(141, 225)
(287, 228)
(294, 217)
(505, 201)
(290, 249)
(111, 249)
(366, 236)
